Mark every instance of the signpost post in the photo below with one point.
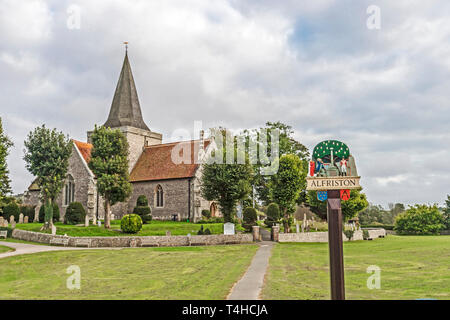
(332, 173)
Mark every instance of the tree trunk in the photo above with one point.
(107, 214)
(287, 228)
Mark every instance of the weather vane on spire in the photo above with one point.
(126, 46)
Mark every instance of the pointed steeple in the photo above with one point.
(125, 108)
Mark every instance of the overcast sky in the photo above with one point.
(314, 65)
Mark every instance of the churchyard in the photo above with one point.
(411, 267)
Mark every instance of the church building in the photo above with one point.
(172, 189)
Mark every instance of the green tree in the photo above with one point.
(5, 145)
(350, 208)
(47, 154)
(420, 219)
(447, 213)
(109, 163)
(287, 145)
(285, 186)
(226, 183)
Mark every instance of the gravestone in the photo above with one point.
(297, 228)
(228, 228)
(1, 221)
(25, 219)
(11, 219)
(99, 223)
(168, 233)
(112, 217)
(5, 223)
(53, 230)
(239, 211)
(13, 224)
(86, 221)
(21, 218)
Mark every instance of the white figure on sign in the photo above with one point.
(343, 164)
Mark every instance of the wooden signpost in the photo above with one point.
(332, 172)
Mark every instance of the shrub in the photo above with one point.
(419, 219)
(131, 223)
(55, 213)
(250, 218)
(142, 209)
(206, 213)
(273, 214)
(380, 225)
(349, 234)
(75, 213)
(200, 232)
(207, 231)
(11, 209)
(28, 211)
(211, 220)
(365, 234)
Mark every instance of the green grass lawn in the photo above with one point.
(4, 249)
(412, 267)
(145, 273)
(154, 228)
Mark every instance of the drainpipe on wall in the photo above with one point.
(189, 199)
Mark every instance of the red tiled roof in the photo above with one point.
(85, 149)
(155, 163)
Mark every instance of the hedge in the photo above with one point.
(55, 213)
(75, 213)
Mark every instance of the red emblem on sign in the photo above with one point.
(312, 168)
(345, 195)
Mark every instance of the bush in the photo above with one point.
(211, 220)
(207, 231)
(200, 232)
(11, 209)
(250, 218)
(28, 211)
(365, 234)
(142, 209)
(419, 219)
(273, 214)
(55, 213)
(206, 213)
(75, 213)
(131, 223)
(349, 234)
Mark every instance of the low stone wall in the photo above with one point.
(148, 241)
(323, 236)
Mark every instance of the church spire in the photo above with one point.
(125, 108)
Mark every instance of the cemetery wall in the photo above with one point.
(323, 236)
(148, 241)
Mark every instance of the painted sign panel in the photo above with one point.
(332, 183)
(345, 194)
(322, 195)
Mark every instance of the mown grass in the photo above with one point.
(154, 228)
(189, 273)
(4, 249)
(412, 267)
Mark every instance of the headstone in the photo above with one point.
(168, 233)
(86, 221)
(25, 219)
(13, 224)
(297, 228)
(112, 217)
(5, 223)
(239, 211)
(228, 228)
(99, 223)
(53, 230)
(1, 221)
(21, 218)
(11, 219)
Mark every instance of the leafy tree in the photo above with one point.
(273, 214)
(350, 208)
(226, 183)
(287, 145)
(447, 213)
(75, 213)
(250, 218)
(5, 145)
(47, 154)
(420, 219)
(285, 186)
(109, 163)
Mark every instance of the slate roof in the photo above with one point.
(155, 163)
(125, 108)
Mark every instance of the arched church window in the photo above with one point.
(159, 196)
(69, 191)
